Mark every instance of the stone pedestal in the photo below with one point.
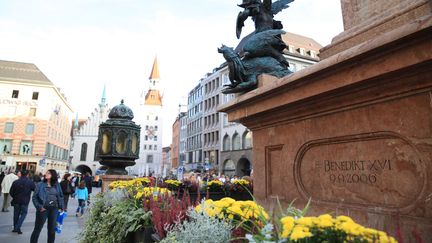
(107, 179)
(353, 132)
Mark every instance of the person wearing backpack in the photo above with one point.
(81, 194)
(67, 189)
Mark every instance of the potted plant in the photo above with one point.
(215, 190)
(241, 190)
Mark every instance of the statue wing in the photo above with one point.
(241, 17)
(280, 5)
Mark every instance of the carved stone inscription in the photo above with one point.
(354, 171)
(365, 170)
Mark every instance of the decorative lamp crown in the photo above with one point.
(121, 112)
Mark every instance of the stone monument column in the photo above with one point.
(353, 132)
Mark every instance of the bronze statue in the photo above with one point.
(262, 14)
(263, 49)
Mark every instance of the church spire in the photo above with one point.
(103, 99)
(154, 75)
(153, 96)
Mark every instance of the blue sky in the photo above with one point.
(82, 44)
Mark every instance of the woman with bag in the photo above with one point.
(67, 189)
(48, 200)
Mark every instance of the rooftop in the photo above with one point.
(21, 72)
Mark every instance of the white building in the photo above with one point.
(85, 135)
(149, 117)
(35, 120)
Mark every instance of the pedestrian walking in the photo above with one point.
(88, 183)
(20, 192)
(48, 200)
(6, 185)
(81, 194)
(2, 175)
(67, 189)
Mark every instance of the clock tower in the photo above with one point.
(150, 158)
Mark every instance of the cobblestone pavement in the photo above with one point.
(71, 227)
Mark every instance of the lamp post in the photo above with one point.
(118, 143)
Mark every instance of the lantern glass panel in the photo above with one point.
(121, 143)
(134, 143)
(106, 142)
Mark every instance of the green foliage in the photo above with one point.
(200, 229)
(112, 218)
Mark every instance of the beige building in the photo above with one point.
(35, 120)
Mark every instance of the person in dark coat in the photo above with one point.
(88, 183)
(20, 192)
(48, 200)
(2, 175)
(67, 188)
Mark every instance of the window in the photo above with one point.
(226, 143)
(83, 156)
(145, 146)
(35, 96)
(155, 147)
(5, 146)
(29, 129)
(95, 156)
(236, 141)
(155, 128)
(26, 148)
(247, 140)
(155, 138)
(32, 112)
(150, 158)
(146, 138)
(156, 118)
(9, 126)
(15, 94)
(150, 147)
(146, 127)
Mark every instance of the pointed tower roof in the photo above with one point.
(154, 75)
(76, 121)
(103, 99)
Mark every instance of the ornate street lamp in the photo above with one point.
(118, 140)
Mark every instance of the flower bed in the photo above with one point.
(133, 207)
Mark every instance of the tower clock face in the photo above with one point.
(151, 132)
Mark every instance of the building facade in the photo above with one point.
(84, 139)
(35, 120)
(149, 117)
(194, 158)
(182, 139)
(212, 86)
(176, 141)
(166, 161)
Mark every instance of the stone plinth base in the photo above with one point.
(107, 179)
(352, 132)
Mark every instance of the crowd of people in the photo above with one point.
(50, 196)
